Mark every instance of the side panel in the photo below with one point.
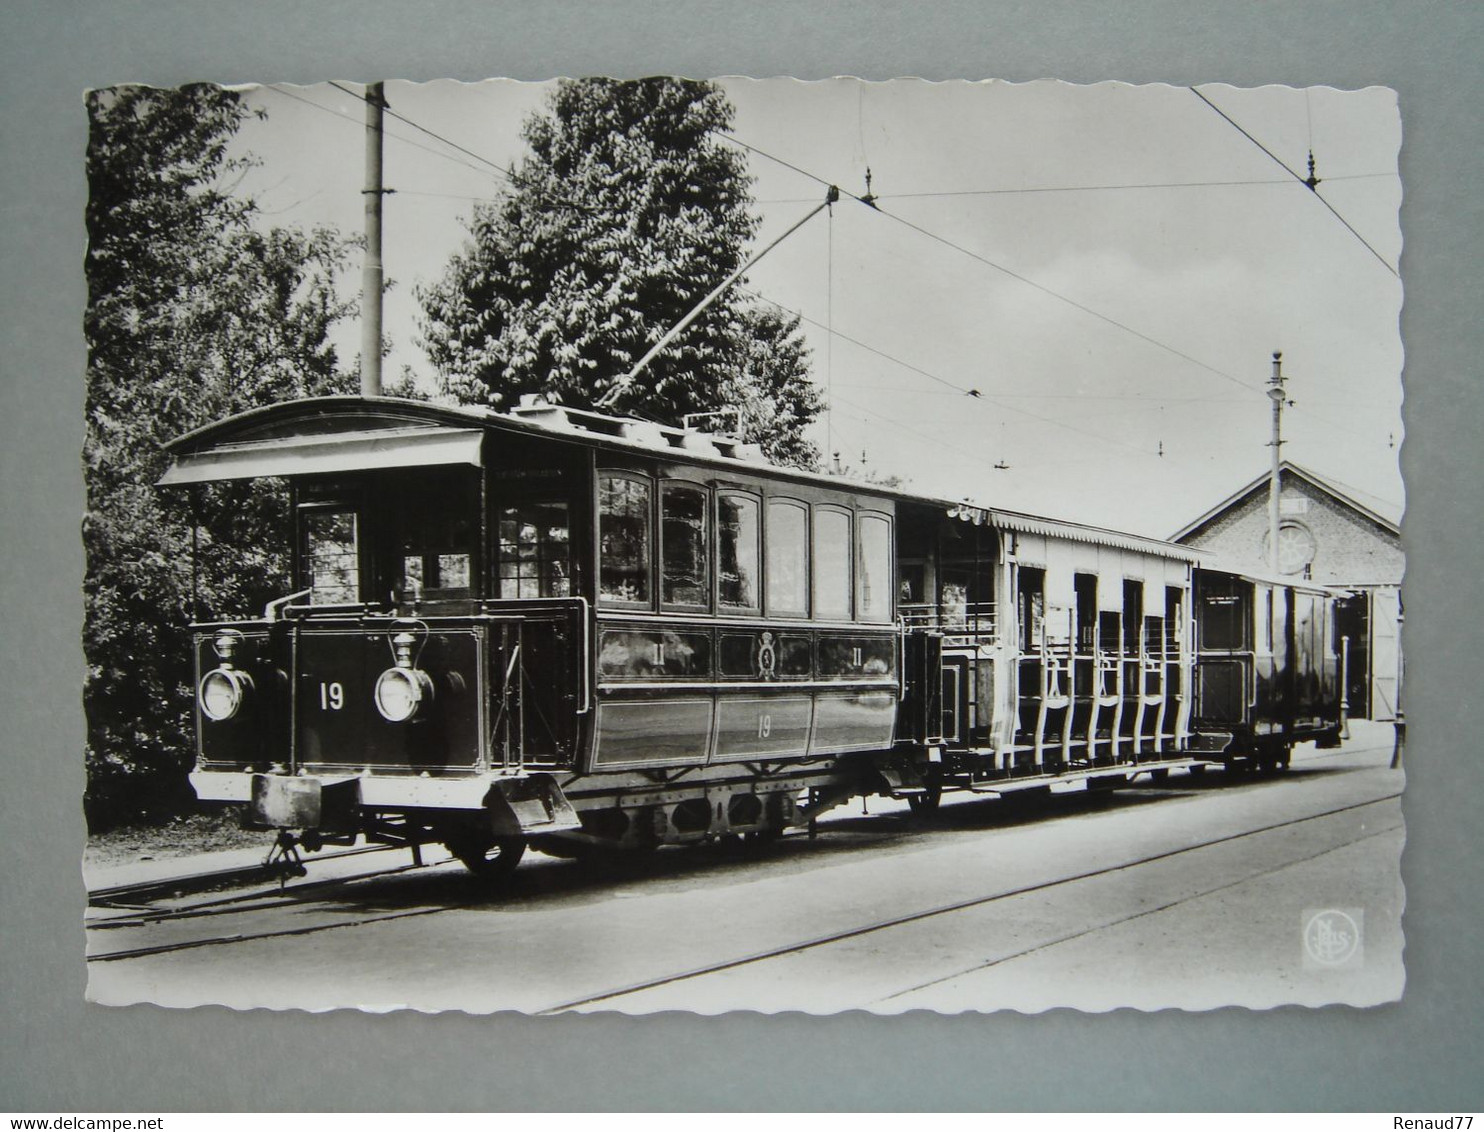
(1221, 692)
(672, 731)
(750, 727)
(852, 721)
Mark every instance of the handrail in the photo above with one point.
(270, 613)
(586, 663)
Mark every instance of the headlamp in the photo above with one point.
(222, 693)
(402, 692)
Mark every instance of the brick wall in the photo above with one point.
(1350, 548)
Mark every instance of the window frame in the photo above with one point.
(649, 602)
(497, 556)
(709, 583)
(814, 603)
(756, 608)
(303, 509)
(858, 565)
(807, 546)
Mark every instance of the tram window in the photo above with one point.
(433, 528)
(1133, 610)
(738, 551)
(1085, 587)
(788, 558)
(873, 569)
(684, 552)
(1223, 613)
(1032, 607)
(1175, 622)
(535, 551)
(623, 570)
(331, 562)
(832, 554)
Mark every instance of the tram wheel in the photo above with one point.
(489, 858)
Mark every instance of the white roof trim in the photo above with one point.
(1073, 532)
(330, 452)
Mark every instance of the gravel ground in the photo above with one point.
(179, 837)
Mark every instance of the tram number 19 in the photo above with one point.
(764, 725)
(331, 696)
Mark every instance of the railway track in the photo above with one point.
(336, 914)
(259, 900)
(124, 895)
(888, 923)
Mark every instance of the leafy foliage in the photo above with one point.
(627, 212)
(194, 312)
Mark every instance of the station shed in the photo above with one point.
(1327, 536)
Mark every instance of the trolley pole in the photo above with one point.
(1276, 395)
(371, 267)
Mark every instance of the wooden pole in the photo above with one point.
(371, 266)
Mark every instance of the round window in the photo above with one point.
(1296, 547)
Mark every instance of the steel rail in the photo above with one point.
(202, 881)
(939, 910)
(267, 899)
(1165, 907)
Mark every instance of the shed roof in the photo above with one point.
(1289, 468)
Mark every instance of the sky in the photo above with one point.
(1066, 300)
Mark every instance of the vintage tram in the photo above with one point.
(561, 629)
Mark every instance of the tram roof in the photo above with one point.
(321, 435)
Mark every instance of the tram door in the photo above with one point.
(1386, 657)
(955, 700)
(1352, 639)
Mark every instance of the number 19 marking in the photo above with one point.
(331, 696)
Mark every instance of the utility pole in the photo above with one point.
(371, 267)
(1276, 395)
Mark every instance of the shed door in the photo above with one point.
(1386, 653)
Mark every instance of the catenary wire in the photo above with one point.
(1312, 188)
(901, 220)
(1002, 268)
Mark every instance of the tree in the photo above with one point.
(194, 312)
(627, 212)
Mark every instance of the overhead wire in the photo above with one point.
(959, 389)
(875, 207)
(1313, 188)
(340, 117)
(1030, 190)
(509, 174)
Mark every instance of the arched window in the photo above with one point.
(738, 551)
(832, 561)
(873, 568)
(685, 573)
(788, 558)
(624, 539)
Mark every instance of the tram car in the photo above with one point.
(560, 629)
(1267, 669)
